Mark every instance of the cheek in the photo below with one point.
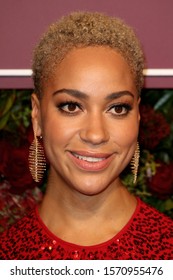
(57, 131)
(126, 133)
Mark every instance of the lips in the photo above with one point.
(89, 161)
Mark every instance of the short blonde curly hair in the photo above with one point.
(82, 29)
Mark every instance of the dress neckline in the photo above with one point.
(76, 246)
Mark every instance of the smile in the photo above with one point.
(90, 162)
(89, 159)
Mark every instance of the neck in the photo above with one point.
(63, 208)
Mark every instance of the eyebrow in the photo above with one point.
(119, 94)
(72, 92)
(82, 95)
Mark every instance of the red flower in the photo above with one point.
(15, 206)
(4, 148)
(161, 184)
(29, 134)
(4, 222)
(153, 127)
(14, 166)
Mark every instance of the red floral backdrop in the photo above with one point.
(19, 193)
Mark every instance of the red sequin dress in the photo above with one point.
(147, 235)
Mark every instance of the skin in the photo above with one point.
(99, 124)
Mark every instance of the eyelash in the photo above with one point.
(67, 103)
(125, 106)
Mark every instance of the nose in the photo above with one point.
(94, 130)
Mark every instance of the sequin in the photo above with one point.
(91, 256)
(148, 235)
(75, 255)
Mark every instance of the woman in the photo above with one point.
(87, 72)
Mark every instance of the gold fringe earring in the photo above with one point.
(135, 163)
(37, 161)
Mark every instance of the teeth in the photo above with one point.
(90, 159)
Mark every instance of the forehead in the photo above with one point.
(93, 55)
(90, 66)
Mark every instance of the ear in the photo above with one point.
(36, 115)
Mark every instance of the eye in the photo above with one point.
(120, 109)
(70, 107)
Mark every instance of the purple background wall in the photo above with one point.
(22, 22)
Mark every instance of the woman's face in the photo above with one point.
(89, 119)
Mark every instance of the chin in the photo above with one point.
(92, 190)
